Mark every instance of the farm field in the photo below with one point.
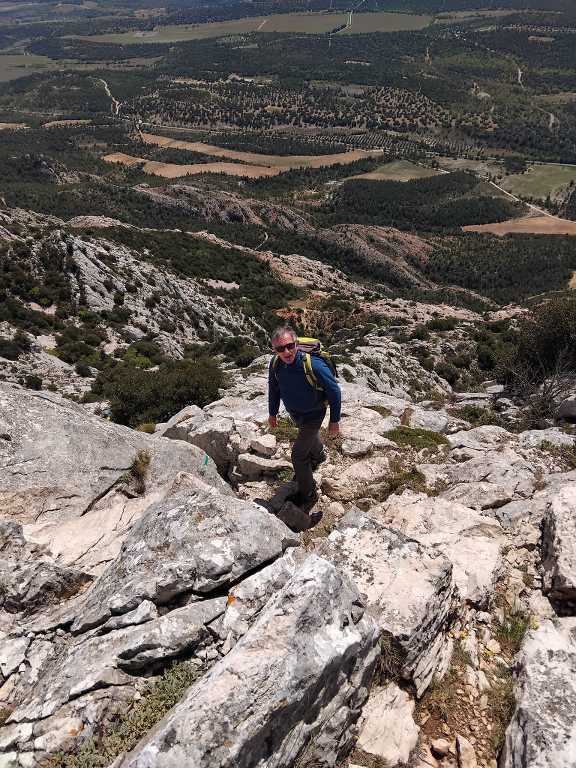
(398, 170)
(175, 171)
(527, 225)
(15, 65)
(312, 23)
(282, 162)
(540, 180)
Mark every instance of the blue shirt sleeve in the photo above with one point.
(273, 391)
(330, 386)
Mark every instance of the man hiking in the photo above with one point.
(289, 381)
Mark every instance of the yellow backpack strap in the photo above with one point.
(309, 371)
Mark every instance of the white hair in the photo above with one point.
(284, 330)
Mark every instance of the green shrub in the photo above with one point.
(441, 324)
(33, 382)
(11, 349)
(478, 416)
(421, 333)
(448, 372)
(416, 438)
(129, 727)
(138, 396)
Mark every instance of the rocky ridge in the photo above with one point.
(439, 545)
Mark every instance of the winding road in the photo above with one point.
(116, 105)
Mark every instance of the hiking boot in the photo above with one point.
(315, 463)
(304, 501)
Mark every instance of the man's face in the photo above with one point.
(286, 348)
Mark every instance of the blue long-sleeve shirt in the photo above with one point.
(289, 384)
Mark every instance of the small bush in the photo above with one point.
(416, 438)
(442, 324)
(421, 333)
(139, 470)
(148, 427)
(33, 382)
(381, 409)
(123, 735)
(510, 632)
(82, 369)
(448, 372)
(478, 416)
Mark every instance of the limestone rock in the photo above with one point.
(479, 495)
(60, 461)
(388, 730)
(559, 547)
(355, 481)
(72, 670)
(409, 589)
(256, 466)
(25, 587)
(314, 645)
(67, 476)
(264, 445)
(485, 438)
(465, 752)
(193, 543)
(542, 733)
(470, 541)
(535, 437)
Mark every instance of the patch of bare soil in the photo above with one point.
(13, 126)
(174, 171)
(528, 225)
(275, 161)
(62, 123)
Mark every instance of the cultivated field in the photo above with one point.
(527, 225)
(174, 171)
(12, 126)
(281, 162)
(398, 170)
(13, 66)
(312, 23)
(539, 181)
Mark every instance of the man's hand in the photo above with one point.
(333, 429)
(273, 422)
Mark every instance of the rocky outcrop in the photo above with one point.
(293, 687)
(388, 731)
(542, 733)
(409, 589)
(77, 482)
(559, 548)
(472, 542)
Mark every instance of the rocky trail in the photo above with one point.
(163, 605)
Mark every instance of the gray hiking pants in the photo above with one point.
(307, 449)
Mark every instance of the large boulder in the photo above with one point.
(78, 482)
(292, 687)
(567, 411)
(186, 544)
(559, 547)
(388, 732)
(472, 542)
(409, 588)
(542, 733)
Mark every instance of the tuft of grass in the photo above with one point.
(126, 731)
(501, 705)
(147, 426)
(139, 470)
(390, 661)
(381, 409)
(400, 481)
(416, 438)
(286, 430)
(510, 632)
(478, 416)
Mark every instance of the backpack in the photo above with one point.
(311, 347)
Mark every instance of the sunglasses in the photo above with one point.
(284, 347)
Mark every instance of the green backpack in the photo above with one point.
(311, 348)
